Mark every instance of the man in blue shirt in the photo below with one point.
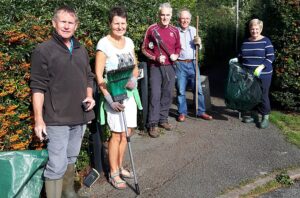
(186, 70)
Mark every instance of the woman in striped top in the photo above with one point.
(257, 55)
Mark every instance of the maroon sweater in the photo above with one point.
(169, 36)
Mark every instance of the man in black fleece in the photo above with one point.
(61, 82)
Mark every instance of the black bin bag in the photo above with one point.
(243, 90)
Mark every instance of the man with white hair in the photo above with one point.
(162, 46)
(186, 67)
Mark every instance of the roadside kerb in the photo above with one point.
(236, 193)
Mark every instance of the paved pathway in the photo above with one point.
(203, 158)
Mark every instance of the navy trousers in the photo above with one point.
(162, 84)
(265, 108)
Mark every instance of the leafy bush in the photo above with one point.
(285, 32)
(16, 43)
(23, 26)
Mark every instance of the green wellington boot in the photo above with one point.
(53, 188)
(68, 183)
(265, 122)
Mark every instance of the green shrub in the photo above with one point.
(285, 33)
(24, 24)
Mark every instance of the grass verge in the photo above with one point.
(289, 124)
(269, 186)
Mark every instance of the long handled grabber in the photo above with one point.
(137, 189)
(159, 42)
(196, 67)
(116, 82)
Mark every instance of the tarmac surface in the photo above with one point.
(287, 192)
(204, 158)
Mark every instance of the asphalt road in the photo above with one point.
(202, 158)
(288, 192)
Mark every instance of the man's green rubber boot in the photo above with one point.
(53, 188)
(68, 183)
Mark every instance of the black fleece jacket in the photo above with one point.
(63, 77)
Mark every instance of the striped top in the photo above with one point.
(255, 53)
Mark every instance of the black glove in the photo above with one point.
(114, 105)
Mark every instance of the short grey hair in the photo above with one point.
(165, 5)
(256, 22)
(183, 10)
(67, 9)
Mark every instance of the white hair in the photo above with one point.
(184, 10)
(165, 5)
(256, 22)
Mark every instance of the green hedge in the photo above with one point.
(24, 24)
(285, 32)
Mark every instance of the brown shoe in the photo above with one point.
(205, 116)
(181, 118)
(166, 126)
(153, 132)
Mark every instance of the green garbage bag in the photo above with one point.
(243, 90)
(21, 173)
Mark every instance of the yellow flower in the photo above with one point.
(2, 133)
(5, 124)
(11, 108)
(23, 116)
(2, 107)
(14, 138)
(19, 131)
(2, 94)
(19, 146)
(36, 27)
(88, 43)
(25, 66)
(10, 113)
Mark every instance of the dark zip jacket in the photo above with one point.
(63, 77)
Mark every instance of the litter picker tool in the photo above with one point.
(160, 43)
(117, 80)
(137, 188)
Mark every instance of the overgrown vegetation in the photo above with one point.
(284, 179)
(284, 28)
